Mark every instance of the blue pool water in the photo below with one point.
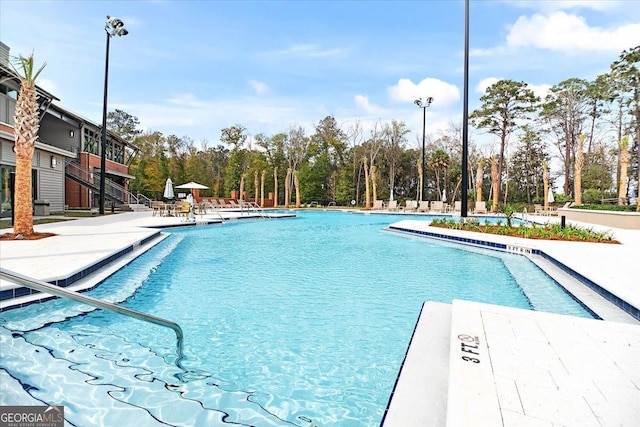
(287, 322)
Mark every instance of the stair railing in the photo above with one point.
(48, 288)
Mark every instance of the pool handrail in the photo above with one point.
(48, 288)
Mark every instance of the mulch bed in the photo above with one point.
(493, 229)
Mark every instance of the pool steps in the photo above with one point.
(531, 253)
(45, 287)
(122, 390)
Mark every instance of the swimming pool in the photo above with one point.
(287, 322)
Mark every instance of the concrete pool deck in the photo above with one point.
(536, 368)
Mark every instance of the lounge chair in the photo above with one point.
(392, 205)
(224, 204)
(437, 207)
(481, 208)
(457, 206)
(423, 206)
(378, 205)
(410, 205)
(537, 209)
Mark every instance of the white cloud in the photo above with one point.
(560, 31)
(364, 104)
(443, 93)
(482, 86)
(601, 5)
(540, 90)
(259, 88)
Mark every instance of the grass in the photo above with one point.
(530, 231)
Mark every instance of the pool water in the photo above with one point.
(294, 321)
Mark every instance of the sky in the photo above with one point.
(191, 68)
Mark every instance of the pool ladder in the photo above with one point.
(48, 288)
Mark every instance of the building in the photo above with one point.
(66, 162)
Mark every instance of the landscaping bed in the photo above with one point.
(530, 231)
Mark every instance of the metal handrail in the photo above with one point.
(252, 205)
(48, 288)
(147, 201)
(112, 188)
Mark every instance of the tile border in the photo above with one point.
(21, 291)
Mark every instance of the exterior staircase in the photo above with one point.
(124, 200)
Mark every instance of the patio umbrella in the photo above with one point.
(444, 195)
(550, 198)
(193, 185)
(168, 189)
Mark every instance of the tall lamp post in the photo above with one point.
(113, 27)
(424, 106)
(465, 118)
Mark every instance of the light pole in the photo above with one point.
(424, 106)
(465, 117)
(113, 27)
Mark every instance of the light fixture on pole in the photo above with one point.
(424, 106)
(113, 27)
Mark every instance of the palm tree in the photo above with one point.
(26, 127)
(625, 157)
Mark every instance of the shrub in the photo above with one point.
(599, 207)
(591, 196)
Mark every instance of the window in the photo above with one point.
(9, 91)
(91, 142)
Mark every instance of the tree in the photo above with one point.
(395, 142)
(526, 167)
(372, 148)
(439, 162)
(624, 164)
(235, 136)
(367, 198)
(479, 176)
(355, 135)
(218, 160)
(545, 178)
(566, 110)
(579, 164)
(627, 71)
(495, 186)
(598, 175)
(504, 104)
(27, 124)
(124, 125)
(295, 150)
(151, 166)
(327, 152)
